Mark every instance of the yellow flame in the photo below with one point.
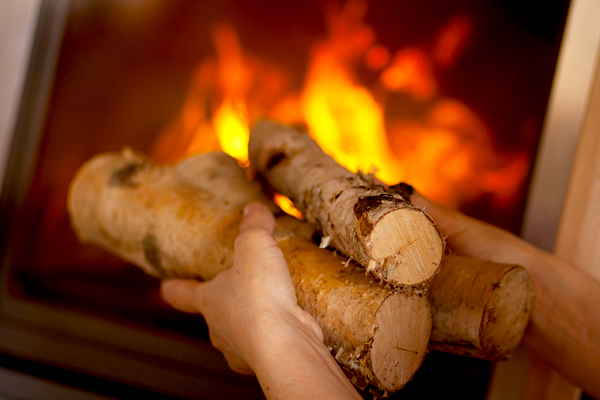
(347, 123)
(344, 117)
(231, 126)
(443, 149)
(287, 206)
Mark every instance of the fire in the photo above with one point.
(410, 72)
(287, 205)
(344, 117)
(232, 130)
(441, 146)
(236, 76)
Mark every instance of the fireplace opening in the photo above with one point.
(448, 97)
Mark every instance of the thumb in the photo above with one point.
(257, 216)
(184, 294)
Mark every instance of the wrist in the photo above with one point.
(280, 330)
(288, 356)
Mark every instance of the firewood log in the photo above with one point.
(182, 220)
(394, 240)
(480, 308)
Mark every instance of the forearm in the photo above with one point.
(291, 362)
(565, 323)
(564, 329)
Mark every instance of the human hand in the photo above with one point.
(471, 237)
(249, 302)
(564, 329)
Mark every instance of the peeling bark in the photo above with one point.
(480, 308)
(394, 240)
(181, 221)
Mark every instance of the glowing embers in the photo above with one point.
(399, 125)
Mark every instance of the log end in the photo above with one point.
(506, 314)
(88, 183)
(400, 342)
(480, 308)
(406, 248)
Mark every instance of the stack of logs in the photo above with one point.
(387, 294)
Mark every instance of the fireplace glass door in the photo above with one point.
(449, 96)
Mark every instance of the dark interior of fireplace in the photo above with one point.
(124, 72)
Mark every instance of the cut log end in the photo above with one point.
(507, 314)
(406, 249)
(378, 335)
(397, 352)
(397, 242)
(480, 308)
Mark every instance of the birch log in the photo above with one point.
(480, 308)
(182, 221)
(396, 242)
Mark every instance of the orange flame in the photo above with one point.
(287, 205)
(443, 148)
(344, 117)
(451, 40)
(410, 72)
(236, 77)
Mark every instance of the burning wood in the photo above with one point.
(183, 220)
(396, 241)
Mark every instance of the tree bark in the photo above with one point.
(394, 240)
(480, 308)
(378, 335)
(181, 221)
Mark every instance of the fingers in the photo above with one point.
(188, 296)
(259, 261)
(182, 294)
(449, 221)
(469, 236)
(257, 216)
(255, 246)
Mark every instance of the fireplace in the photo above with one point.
(464, 87)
